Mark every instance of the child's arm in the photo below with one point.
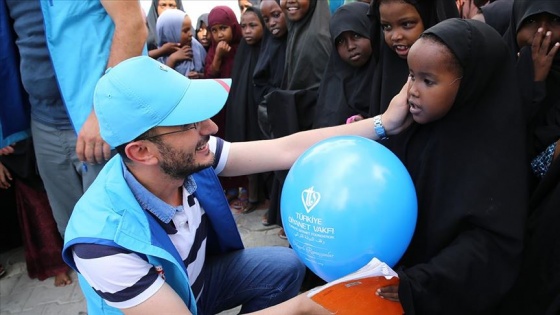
(221, 50)
(165, 50)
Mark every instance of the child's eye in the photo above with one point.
(265, 20)
(276, 14)
(385, 27)
(339, 41)
(411, 76)
(356, 36)
(408, 25)
(429, 82)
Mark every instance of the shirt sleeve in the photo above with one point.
(220, 148)
(121, 277)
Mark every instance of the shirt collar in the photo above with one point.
(150, 202)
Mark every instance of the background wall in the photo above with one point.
(195, 8)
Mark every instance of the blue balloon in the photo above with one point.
(346, 200)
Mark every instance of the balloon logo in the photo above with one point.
(346, 200)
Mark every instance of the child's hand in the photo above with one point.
(543, 52)
(390, 292)
(222, 49)
(9, 149)
(5, 177)
(194, 75)
(169, 48)
(182, 54)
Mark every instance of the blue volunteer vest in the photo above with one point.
(108, 214)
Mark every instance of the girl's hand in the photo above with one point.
(9, 149)
(222, 49)
(543, 52)
(169, 48)
(390, 293)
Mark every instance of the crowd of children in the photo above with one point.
(481, 80)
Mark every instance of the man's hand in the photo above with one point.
(90, 146)
(397, 116)
(390, 293)
(543, 52)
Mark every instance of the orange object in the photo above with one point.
(356, 297)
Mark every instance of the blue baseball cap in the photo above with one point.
(141, 93)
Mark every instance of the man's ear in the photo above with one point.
(142, 152)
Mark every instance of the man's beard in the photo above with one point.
(177, 164)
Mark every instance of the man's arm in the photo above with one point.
(165, 301)
(280, 154)
(130, 30)
(128, 41)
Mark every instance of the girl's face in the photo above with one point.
(251, 27)
(202, 35)
(295, 9)
(548, 22)
(434, 81)
(164, 5)
(401, 24)
(274, 18)
(353, 48)
(186, 31)
(221, 32)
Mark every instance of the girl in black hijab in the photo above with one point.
(340, 86)
(537, 290)
(202, 32)
(391, 69)
(241, 108)
(538, 70)
(466, 156)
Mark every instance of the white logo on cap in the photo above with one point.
(164, 68)
(310, 198)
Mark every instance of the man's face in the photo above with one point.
(183, 150)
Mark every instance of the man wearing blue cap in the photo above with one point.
(154, 233)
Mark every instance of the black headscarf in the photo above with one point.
(340, 87)
(470, 173)
(241, 108)
(308, 48)
(151, 21)
(270, 67)
(498, 14)
(269, 72)
(203, 18)
(391, 71)
(541, 99)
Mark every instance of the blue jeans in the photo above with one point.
(256, 278)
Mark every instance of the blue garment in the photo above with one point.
(14, 108)
(115, 218)
(37, 73)
(168, 28)
(79, 36)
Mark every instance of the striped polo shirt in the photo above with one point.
(124, 278)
